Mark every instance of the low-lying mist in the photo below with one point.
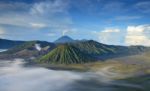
(2, 50)
(14, 76)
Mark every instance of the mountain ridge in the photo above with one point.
(6, 43)
(70, 52)
(28, 49)
(90, 50)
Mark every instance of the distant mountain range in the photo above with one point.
(28, 50)
(6, 44)
(69, 51)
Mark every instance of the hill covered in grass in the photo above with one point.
(93, 47)
(66, 54)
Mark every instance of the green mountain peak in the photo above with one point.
(66, 54)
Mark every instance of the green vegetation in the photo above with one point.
(73, 52)
(93, 47)
(87, 51)
(66, 54)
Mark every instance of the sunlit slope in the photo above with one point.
(93, 47)
(66, 54)
(99, 49)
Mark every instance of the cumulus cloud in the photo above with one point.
(132, 35)
(138, 35)
(109, 36)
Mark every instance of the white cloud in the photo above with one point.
(138, 35)
(109, 36)
(50, 14)
(48, 7)
(64, 32)
(68, 31)
(38, 25)
(110, 30)
(50, 17)
(38, 47)
(133, 35)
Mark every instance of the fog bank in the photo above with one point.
(14, 76)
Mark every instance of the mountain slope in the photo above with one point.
(70, 52)
(66, 54)
(64, 39)
(28, 49)
(6, 44)
(88, 51)
(93, 47)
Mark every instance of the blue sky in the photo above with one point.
(117, 22)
